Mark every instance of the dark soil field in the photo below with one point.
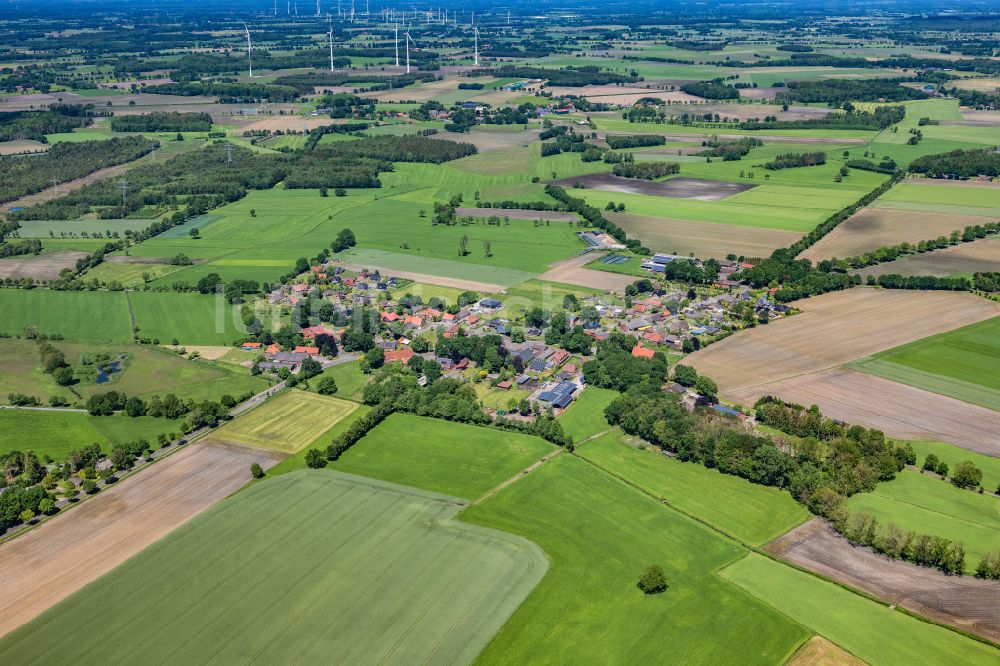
(960, 601)
(39, 267)
(679, 188)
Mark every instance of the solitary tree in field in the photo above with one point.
(488, 248)
(653, 580)
(256, 471)
(463, 246)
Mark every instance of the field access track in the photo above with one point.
(310, 567)
(962, 601)
(56, 559)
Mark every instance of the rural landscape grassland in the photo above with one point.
(867, 629)
(952, 455)
(928, 505)
(751, 513)
(963, 363)
(190, 318)
(286, 423)
(78, 315)
(56, 433)
(348, 377)
(585, 416)
(440, 456)
(599, 535)
(390, 577)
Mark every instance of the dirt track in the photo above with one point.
(58, 558)
(834, 329)
(964, 602)
(898, 410)
(572, 271)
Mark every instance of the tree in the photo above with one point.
(63, 376)
(310, 368)
(931, 463)
(488, 248)
(194, 233)
(653, 580)
(256, 471)
(327, 386)
(706, 387)
(685, 375)
(463, 246)
(209, 283)
(967, 475)
(375, 357)
(344, 240)
(315, 459)
(27, 515)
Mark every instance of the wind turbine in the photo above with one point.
(249, 46)
(329, 24)
(408, 40)
(475, 31)
(318, 12)
(395, 36)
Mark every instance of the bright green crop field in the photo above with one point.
(441, 456)
(315, 566)
(56, 433)
(867, 629)
(928, 505)
(938, 197)
(963, 363)
(585, 415)
(952, 455)
(189, 317)
(77, 315)
(600, 534)
(752, 513)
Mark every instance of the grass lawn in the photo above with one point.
(755, 514)
(441, 456)
(600, 534)
(77, 315)
(314, 566)
(56, 433)
(585, 415)
(963, 363)
(349, 379)
(865, 628)
(952, 455)
(297, 460)
(286, 423)
(190, 318)
(928, 505)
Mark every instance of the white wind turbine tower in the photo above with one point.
(408, 40)
(329, 24)
(352, 11)
(475, 32)
(249, 46)
(395, 35)
(318, 12)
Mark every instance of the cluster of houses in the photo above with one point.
(660, 320)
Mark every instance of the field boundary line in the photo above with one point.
(520, 475)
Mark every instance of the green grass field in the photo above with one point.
(286, 423)
(935, 197)
(865, 628)
(928, 505)
(77, 315)
(451, 458)
(585, 416)
(349, 379)
(315, 566)
(149, 371)
(56, 433)
(754, 514)
(952, 455)
(963, 363)
(599, 535)
(191, 318)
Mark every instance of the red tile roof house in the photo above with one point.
(504, 385)
(652, 336)
(299, 288)
(559, 357)
(641, 352)
(252, 346)
(415, 322)
(302, 349)
(431, 313)
(389, 316)
(311, 332)
(402, 355)
(448, 317)
(272, 349)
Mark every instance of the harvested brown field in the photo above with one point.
(872, 228)
(979, 255)
(942, 182)
(833, 329)
(898, 410)
(209, 353)
(22, 146)
(286, 123)
(989, 85)
(817, 651)
(39, 267)
(59, 557)
(486, 140)
(704, 239)
(572, 271)
(518, 214)
(759, 93)
(679, 188)
(963, 602)
(980, 116)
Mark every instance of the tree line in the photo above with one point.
(959, 163)
(163, 121)
(793, 160)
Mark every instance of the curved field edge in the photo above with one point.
(867, 629)
(311, 563)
